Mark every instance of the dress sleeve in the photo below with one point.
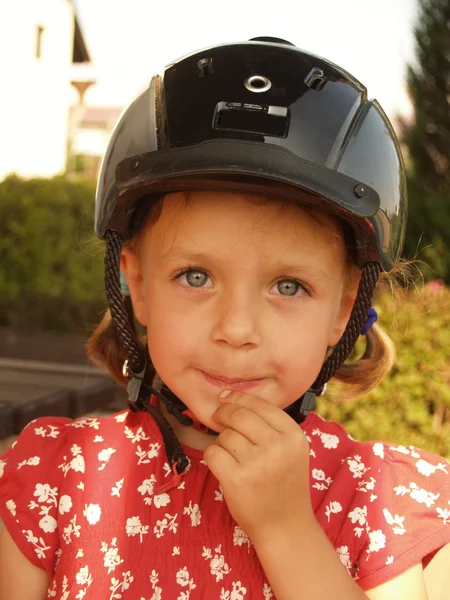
(30, 476)
(405, 516)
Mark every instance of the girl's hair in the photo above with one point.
(356, 377)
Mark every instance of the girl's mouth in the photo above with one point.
(232, 384)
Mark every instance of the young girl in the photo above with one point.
(251, 198)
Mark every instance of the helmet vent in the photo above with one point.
(205, 67)
(315, 79)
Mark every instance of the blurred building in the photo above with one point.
(91, 131)
(41, 44)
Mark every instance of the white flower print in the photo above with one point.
(80, 486)
(97, 439)
(359, 531)
(267, 592)
(71, 529)
(65, 504)
(403, 450)
(240, 538)
(135, 527)
(194, 513)
(217, 564)
(157, 591)
(219, 494)
(357, 467)
(444, 514)
(365, 486)
(322, 481)
(45, 494)
(52, 433)
(87, 422)
(184, 580)
(104, 457)
(11, 506)
(358, 515)
(116, 490)
(120, 586)
(83, 576)
(394, 520)
(92, 513)
(333, 507)
(237, 593)
(80, 553)
(378, 449)
(147, 487)
(135, 436)
(427, 469)
(2, 467)
(377, 540)
(32, 539)
(373, 497)
(176, 551)
(31, 462)
(121, 417)
(418, 494)
(145, 456)
(76, 463)
(111, 559)
(161, 500)
(389, 560)
(344, 556)
(168, 523)
(328, 440)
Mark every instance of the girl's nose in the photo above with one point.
(237, 320)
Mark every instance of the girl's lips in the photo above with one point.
(232, 384)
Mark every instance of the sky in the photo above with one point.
(131, 40)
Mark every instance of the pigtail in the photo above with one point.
(104, 348)
(363, 374)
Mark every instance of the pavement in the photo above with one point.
(47, 374)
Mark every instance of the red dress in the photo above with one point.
(78, 499)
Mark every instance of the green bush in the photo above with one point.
(51, 268)
(412, 404)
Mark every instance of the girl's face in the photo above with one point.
(238, 288)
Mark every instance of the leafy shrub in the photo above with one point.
(411, 406)
(51, 270)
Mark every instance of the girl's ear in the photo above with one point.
(130, 265)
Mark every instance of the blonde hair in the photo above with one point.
(355, 377)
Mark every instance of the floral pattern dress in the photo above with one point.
(79, 498)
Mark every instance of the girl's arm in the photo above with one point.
(303, 564)
(19, 579)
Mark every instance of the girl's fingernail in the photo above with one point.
(224, 393)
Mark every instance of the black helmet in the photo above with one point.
(261, 116)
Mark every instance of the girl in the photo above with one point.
(251, 197)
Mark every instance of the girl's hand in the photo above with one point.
(261, 459)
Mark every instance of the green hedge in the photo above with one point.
(412, 404)
(51, 277)
(51, 270)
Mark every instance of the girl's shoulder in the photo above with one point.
(386, 507)
(41, 471)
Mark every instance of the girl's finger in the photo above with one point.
(271, 414)
(246, 422)
(236, 444)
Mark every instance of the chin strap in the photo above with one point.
(139, 389)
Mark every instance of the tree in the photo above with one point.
(427, 138)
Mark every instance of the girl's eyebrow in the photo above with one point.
(199, 257)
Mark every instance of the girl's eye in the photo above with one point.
(193, 277)
(196, 277)
(289, 287)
